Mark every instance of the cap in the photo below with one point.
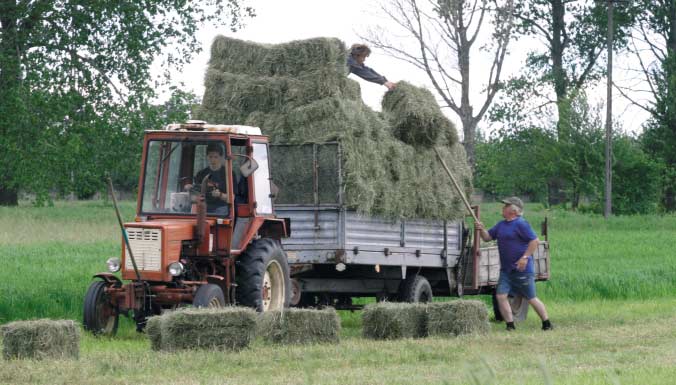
(513, 201)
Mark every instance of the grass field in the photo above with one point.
(611, 296)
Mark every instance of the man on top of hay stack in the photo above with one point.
(516, 244)
(355, 62)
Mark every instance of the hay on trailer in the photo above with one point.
(229, 328)
(41, 339)
(154, 331)
(294, 58)
(415, 116)
(300, 326)
(457, 317)
(232, 97)
(381, 175)
(389, 320)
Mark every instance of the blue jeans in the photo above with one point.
(517, 283)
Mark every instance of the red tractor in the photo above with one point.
(205, 232)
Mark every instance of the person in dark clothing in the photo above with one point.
(516, 244)
(355, 64)
(217, 196)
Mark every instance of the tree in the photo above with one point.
(444, 33)
(654, 43)
(574, 36)
(74, 75)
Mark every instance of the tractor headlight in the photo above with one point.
(176, 269)
(113, 264)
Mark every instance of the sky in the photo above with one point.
(281, 21)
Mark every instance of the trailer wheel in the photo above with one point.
(100, 316)
(518, 304)
(263, 276)
(416, 289)
(209, 295)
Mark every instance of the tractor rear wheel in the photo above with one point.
(416, 288)
(209, 295)
(263, 276)
(100, 316)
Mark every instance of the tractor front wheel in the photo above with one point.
(263, 276)
(209, 295)
(100, 316)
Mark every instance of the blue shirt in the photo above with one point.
(513, 238)
(365, 72)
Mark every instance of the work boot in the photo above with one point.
(546, 325)
(510, 326)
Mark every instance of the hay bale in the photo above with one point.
(294, 58)
(457, 317)
(40, 339)
(154, 332)
(415, 116)
(300, 326)
(389, 320)
(229, 328)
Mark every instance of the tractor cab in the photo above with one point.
(177, 162)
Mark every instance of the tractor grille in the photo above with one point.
(146, 244)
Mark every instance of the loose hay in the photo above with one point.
(229, 328)
(298, 93)
(41, 339)
(300, 326)
(415, 116)
(388, 320)
(457, 317)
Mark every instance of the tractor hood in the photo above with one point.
(156, 244)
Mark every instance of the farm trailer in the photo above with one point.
(336, 253)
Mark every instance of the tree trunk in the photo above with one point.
(8, 197)
(558, 46)
(10, 82)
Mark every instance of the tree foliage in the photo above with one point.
(654, 43)
(76, 84)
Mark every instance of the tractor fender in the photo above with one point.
(109, 278)
(275, 228)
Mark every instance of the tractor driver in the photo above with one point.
(217, 196)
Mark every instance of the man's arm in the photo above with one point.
(523, 261)
(482, 232)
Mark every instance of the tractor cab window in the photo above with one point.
(175, 172)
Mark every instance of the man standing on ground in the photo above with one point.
(516, 244)
(355, 63)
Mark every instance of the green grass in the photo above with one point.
(611, 297)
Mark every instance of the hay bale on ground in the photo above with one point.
(154, 331)
(300, 326)
(229, 328)
(457, 317)
(415, 116)
(40, 339)
(389, 320)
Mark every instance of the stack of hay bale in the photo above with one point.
(41, 339)
(235, 328)
(409, 320)
(299, 92)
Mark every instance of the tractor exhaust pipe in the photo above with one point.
(201, 226)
